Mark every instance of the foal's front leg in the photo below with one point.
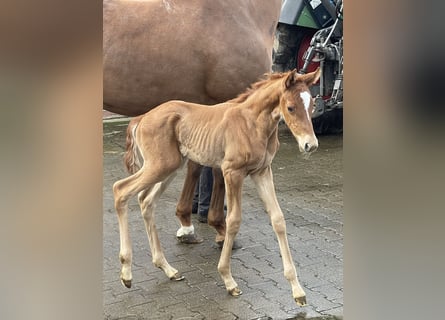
(234, 181)
(264, 183)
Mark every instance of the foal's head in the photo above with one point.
(296, 106)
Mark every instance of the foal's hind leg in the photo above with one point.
(123, 190)
(265, 187)
(147, 201)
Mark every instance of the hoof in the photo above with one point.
(235, 245)
(301, 301)
(126, 283)
(235, 292)
(177, 277)
(190, 239)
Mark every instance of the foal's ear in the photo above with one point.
(290, 79)
(311, 78)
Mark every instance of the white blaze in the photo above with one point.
(306, 97)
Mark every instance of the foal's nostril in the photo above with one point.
(309, 147)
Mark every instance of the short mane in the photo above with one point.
(255, 86)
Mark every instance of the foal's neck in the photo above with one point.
(266, 98)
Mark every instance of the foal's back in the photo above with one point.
(195, 131)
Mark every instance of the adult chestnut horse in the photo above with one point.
(240, 137)
(202, 51)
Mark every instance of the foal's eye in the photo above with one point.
(291, 109)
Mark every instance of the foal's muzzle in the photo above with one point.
(309, 147)
(307, 143)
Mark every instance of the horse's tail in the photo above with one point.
(131, 157)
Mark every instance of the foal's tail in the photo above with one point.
(131, 157)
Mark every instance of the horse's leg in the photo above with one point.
(147, 201)
(264, 184)
(216, 210)
(233, 181)
(186, 233)
(123, 190)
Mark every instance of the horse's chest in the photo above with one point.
(267, 159)
(261, 158)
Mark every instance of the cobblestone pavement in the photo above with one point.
(310, 194)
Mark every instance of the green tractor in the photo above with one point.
(310, 35)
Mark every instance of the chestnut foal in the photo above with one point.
(241, 138)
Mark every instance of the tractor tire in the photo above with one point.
(330, 122)
(285, 48)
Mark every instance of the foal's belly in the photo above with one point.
(209, 158)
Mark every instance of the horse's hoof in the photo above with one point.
(301, 301)
(235, 245)
(220, 244)
(190, 239)
(235, 292)
(126, 283)
(177, 277)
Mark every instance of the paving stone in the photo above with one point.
(178, 311)
(330, 292)
(238, 306)
(273, 311)
(215, 313)
(309, 279)
(302, 313)
(319, 302)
